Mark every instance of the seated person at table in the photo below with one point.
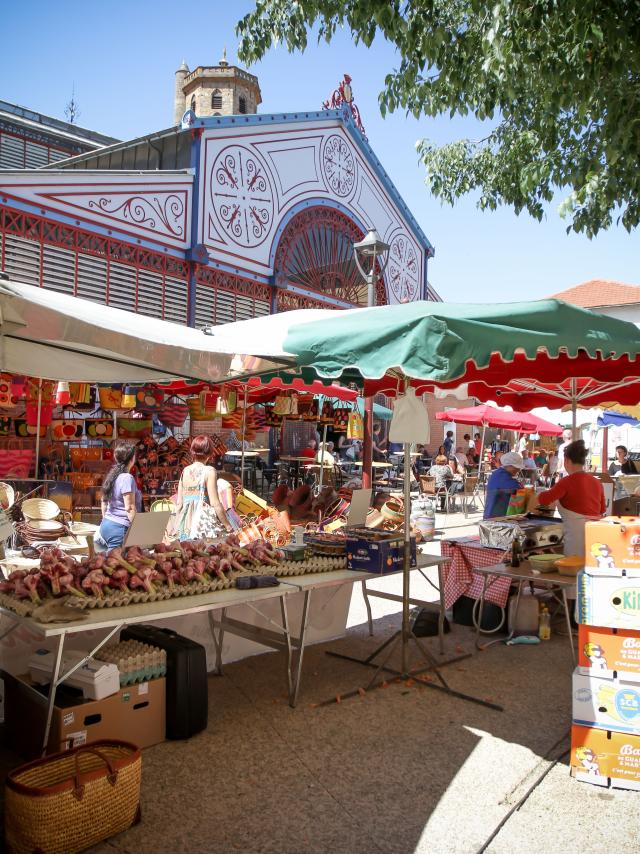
(462, 458)
(540, 457)
(495, 459)
(502, 484)
(443, 475)
(580, 497)
(527, 459)
(310, 450)
(456, 466)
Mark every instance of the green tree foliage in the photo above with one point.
(558, 82)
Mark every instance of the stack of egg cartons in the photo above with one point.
(136, 661)
(605, 737)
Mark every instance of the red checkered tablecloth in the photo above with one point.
(461, 580)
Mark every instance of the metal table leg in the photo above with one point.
(285, 625)
(218, 645)
(52, 690)
(441, 611)
(368, 607)
(300, 648)
(569, 628)
(481, 610)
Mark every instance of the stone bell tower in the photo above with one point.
(215, 90)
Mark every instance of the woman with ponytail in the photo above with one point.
(121, 498)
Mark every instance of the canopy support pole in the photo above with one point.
(367, 448)
(574, 408)
(244, 428)
(38, 428)
(324, 444)
(484, 427)
(405, 635)
(605, 449)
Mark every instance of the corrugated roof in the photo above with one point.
(599, 293)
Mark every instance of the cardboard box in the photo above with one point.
(135, 713)
(380, 556)
(606, 703)
(612, 601)
(613, 545)
(608, 652)
(605, 758)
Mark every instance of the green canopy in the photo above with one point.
(450, 342)
(382, 413)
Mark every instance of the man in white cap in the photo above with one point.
(502, 484)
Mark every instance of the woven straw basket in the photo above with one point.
(73, 800)
(39, 508)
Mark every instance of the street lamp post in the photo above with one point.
(368, 252)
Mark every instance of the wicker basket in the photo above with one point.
(39, 508)
(73, 800)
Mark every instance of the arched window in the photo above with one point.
(242, 104)
(193, 103)
(216, 100)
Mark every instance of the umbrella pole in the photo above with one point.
(244, 427)
(484, 427)
(324, 443)
(38, 427)
(605, 448)
(406, 565)
(574, 408)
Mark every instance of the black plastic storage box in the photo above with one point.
(187, 690)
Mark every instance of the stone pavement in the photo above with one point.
(403, 769)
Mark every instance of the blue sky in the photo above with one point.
(121, 56)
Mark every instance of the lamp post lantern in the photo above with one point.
(368, 252)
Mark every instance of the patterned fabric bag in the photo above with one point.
(205, 521)
(355, 426)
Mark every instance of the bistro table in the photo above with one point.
(294, 463)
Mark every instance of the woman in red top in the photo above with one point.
(580, 497)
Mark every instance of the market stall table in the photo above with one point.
(499, 573)
(112, 620)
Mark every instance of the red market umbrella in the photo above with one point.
(544, 427)
(489, 416)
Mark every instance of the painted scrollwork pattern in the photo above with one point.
(242, 196)
(158, 212)
(339, 165)
(403, 271)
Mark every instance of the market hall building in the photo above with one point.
(227, 215)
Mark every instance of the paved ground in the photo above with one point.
(403, 769)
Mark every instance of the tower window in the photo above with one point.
(193, 103)
(216, 100)
(242, 104)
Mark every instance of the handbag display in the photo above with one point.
(5, 426)
(99, 428)
(134, 428)
(341, 418)
(327, 415)
(110, 397)
(355, 426)
(226, 403)
(149, 400)
(173, 412)
(25, 430)
(282, 405)
(71, 430)
(82, 396)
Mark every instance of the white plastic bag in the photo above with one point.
(410, 422)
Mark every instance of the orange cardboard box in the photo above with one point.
(613, 545)
(605, 652)
(605, 757)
